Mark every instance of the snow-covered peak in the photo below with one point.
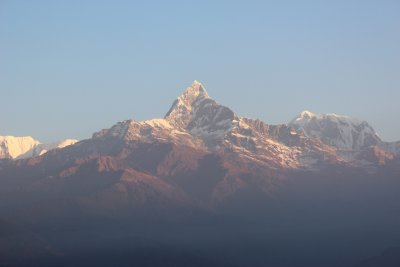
(342, 132)
(12, 146)
(196, 89)
(194, 119)
(306, 114)
(192, 94)
(195, 112)
(186, 104)
(303, 118)
(306, 117)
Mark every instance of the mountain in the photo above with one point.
(200, 156)
(195, 120)
(204, 181)
(355, 140)
(12, 147)
(342, 132)
(200, 144)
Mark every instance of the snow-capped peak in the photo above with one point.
(193, 93)
(184, 106)
(342, 132)
(198, 88)
(306, 114)
(303, 118)
(14, 147)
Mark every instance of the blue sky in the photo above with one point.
(70, 68)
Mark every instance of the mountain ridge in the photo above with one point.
(197, 120)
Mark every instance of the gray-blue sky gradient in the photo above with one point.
(69, 68)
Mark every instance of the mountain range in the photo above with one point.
(196, 120)
(202, 160)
